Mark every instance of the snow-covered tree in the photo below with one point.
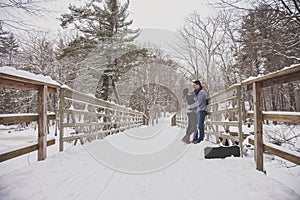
(8, 47)
(37, 55)
(270, 43)
(13, 12)
(201, 39)
(103, 42)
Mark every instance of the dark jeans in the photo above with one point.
(201, 117)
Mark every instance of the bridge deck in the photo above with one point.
(142, 163)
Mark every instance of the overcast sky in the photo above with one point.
(169, 14)
(165, 14)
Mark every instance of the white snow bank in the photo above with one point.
(28, 75)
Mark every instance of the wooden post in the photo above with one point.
(42, 122)
(173, 120)
(61, 119)
(239, 96)
(144, 120)
(258, 129)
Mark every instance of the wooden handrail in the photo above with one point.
(21, 151)
(277, 151)
(113, 117)
(291, 117)
(25, 83)
(286, 75)
(22, 117)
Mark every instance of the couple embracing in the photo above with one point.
(197, 110)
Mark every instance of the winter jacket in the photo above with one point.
(200, 104)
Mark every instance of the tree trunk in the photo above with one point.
(102, 91)
(115, 92)
(273, 100)
(282, 101)
(292, 95)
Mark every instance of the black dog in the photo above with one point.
(221, 152)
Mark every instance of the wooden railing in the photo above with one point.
(224, 113)
(91, 118)
(41, 117)
(225, 117)
(85, 117)
(256, 85)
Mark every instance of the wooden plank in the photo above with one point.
(258, 129)
(42, 123)
(281, 80)
(78, 136)
(22, 151)
(228, 92)
(224, 123)
(173, 120)
(280, 116)
(61, 119)
(89, 100)
(223, 100)
(282, 76)
(222, 111)
(240, 129)
(87, 113)
(230, 137)
(16, 84)
(24, 117)
(88, 124)
(277, 152)
(19, 81)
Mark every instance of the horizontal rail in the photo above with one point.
(222, 101)
(222, 123)
(98, 133)
(223, 111)
(25, 83)
(226, 92)
(279, 152)
(275, 78)
(22, 151)
(24, 117)
(78, 97)
(230, 137)
(292, 117)
(88, 114)
(99, 123)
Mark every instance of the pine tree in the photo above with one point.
(270, 42)
(8, 47)
(103, 42)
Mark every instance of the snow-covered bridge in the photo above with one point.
(149, 162)
(142, 163)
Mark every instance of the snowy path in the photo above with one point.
(142, 163)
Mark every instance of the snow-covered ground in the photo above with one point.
(141, 163)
